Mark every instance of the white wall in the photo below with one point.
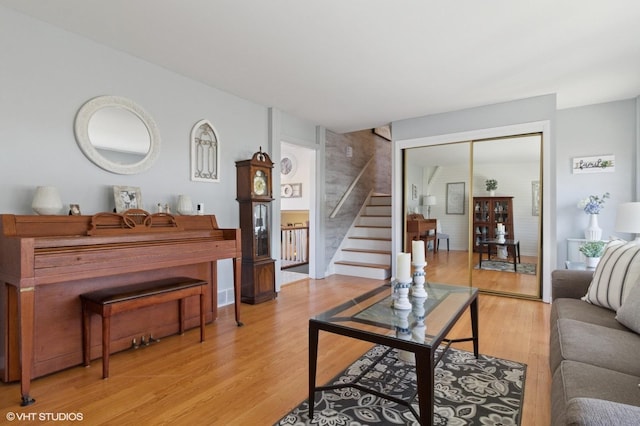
(608, 128)
(302, 175)
(48, 73)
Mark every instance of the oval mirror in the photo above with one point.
(117, 135)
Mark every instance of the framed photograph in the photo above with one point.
(414, 191)
(127, 197)
(535, 198)
(455, 198)
(74, 210)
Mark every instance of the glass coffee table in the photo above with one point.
(419, 331)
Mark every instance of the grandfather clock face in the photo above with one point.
(260, 183)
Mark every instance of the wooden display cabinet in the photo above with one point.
(488, 212)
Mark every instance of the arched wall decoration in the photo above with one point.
(205, 153)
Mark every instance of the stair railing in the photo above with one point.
(349, 190)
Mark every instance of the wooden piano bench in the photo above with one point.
(110, 301)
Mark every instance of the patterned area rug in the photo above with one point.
(522, 268)
(468, 391)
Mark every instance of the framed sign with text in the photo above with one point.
(597, 164)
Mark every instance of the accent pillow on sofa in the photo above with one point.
(629, 312)
(616, 274)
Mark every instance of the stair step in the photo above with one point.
(372, 209)
(371, 255)
(371, 238)
(359, 269)
(374, 221)
(368, 251)
(361, 264)
(380, 200)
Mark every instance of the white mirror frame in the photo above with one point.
(81, 128)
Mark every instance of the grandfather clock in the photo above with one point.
(254, 191)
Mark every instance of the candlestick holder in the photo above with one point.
(403, 332)
(418, 281)
(402, 295)
(419, 328)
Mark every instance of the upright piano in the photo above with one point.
(46, 262)
(419, 228)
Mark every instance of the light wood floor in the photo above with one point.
(451, 267)
(253, 375)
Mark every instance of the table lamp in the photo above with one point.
(429, 200)
(628, 219)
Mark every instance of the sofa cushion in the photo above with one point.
(598, 412)
(579, 380)
(629, 312)
(578, 310)
(597, 345)
(617, 272)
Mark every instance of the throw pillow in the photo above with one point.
(629, 312)
(616, 274)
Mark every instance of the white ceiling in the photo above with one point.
(356, 64)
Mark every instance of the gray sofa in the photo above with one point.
(594, 360)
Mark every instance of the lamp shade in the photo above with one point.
(47, 200)
(628, 218)
(429, 200)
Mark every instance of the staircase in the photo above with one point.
(366, 250)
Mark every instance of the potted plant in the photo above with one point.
(492, 185)
(593, 251)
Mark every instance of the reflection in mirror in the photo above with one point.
(431, 169)
(438, 171)
(117, 134)
(506, 225)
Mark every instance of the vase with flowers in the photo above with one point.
(592, 206)
(491, 185)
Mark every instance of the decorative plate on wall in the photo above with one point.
(288, 165)
(291, 190)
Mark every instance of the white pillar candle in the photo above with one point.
(404, 267)
(417, 249)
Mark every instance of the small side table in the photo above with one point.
(577, 266)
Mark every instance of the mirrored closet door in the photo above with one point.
(485, 199)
